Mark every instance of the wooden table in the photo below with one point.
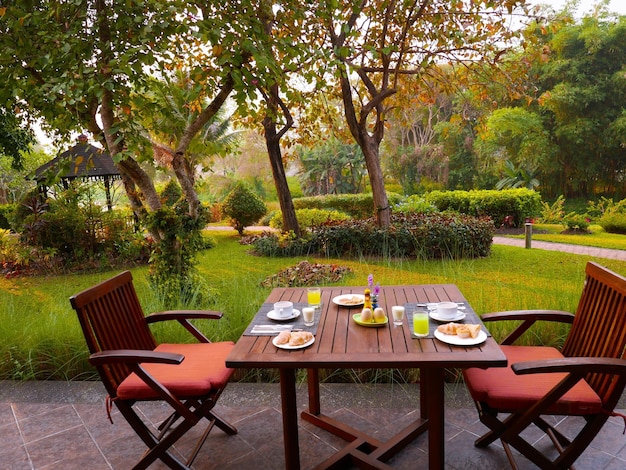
(341, 343)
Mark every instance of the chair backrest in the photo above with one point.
(599, 327)
(111, 317)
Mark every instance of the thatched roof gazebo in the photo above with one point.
(82, 161)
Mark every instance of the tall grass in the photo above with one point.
(40, 337)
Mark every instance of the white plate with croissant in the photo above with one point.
(293, 339)
(349, 300)
(460, 334)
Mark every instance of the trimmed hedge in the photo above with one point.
(359, 206)
(426, 236)
(307, 218)
(521, 204)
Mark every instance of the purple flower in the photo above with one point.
(370, 281)
(377, 288)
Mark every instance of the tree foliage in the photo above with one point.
(15, 138)
(374, 43)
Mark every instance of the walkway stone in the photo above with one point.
(563, 247)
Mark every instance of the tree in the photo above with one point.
(373, 43)
(584, 97)
(516, 143)
(332, 167)
(82, 65)
(14, 138)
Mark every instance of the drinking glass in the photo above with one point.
(420, 324)
(308, 314)
(397, 311)
(314, 296)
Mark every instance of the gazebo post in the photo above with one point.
(107, 188)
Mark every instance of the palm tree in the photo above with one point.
(519, 177)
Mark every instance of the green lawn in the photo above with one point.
(40, 336)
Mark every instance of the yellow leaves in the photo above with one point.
(3, 11)
(77, 161)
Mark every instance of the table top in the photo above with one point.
(340, 342)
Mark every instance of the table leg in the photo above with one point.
(313, 382)
(290, 418)
(434, 397)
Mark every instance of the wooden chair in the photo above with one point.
(189, 377)
(586, 378)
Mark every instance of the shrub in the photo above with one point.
(613, 223)
(576, 222)
(171, 193)
(308, 218)
(415, 204)
(282, 245)
(521, 204)
(553, 213)
(358, 206)
(427, 236)
(243, 207)
(6, 215)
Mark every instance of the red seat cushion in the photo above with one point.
(503, 390)
(202, 369)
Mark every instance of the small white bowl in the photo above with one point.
(446, 310)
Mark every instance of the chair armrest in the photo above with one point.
(575, 365)
(183, 317)
(528, 318)
(134, 356)
(177, 314)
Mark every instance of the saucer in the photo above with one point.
(435, 316)
(273, 316)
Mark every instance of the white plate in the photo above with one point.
(295, 313)
(454, 339)
(434, 314)
(286, 346)
(349, 300)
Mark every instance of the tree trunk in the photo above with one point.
(375, 172)
(272, 141)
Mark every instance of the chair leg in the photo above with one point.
(157, 448)
(223, 424)
(490, 419)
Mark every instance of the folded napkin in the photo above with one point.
(271, 329)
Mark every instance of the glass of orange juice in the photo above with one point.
(420, 324)
(314, 296)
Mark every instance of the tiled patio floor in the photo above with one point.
(52, 425)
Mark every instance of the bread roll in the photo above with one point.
(463, 331)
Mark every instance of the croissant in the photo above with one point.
(461, 330)
(300, 337)
(448, 328)
(283, 337)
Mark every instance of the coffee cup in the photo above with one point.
(283, 309)
(446, 310)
